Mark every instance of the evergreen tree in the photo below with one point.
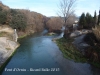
(95, 19)
(89, 21)
(99, 18)
(82, 21)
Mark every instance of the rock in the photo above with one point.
(75, 34)
(7, 44)
(50, 34)
(84, 31)
(84, 45)
(80, 43)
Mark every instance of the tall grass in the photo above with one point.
(96, 31)
(69, 50)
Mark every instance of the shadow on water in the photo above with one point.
(38, 52)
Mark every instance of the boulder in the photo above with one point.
(75, 34)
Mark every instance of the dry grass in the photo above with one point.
(6, 31)
(5, 28)
(5, 34)
(96, 31)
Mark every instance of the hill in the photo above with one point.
(24, 20)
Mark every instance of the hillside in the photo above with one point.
(4, 7)
(25, 21)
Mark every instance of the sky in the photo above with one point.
(50, 7)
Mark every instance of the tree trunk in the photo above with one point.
(66, 32)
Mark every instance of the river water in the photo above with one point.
(39, 55)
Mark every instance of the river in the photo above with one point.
(39, 55)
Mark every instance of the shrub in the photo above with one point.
(96, 31)
(3, 17)
(54, 25)
(18, 22)
(90, 39)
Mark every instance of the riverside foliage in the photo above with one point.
(26, 21)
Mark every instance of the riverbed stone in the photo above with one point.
(75, 34)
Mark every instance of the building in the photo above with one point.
(75, 25)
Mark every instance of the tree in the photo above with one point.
(3, 17)
(54, 24)
(66, 9)
(95, 18)
(89, 21)
(86, 22)
(99, 18)
(18, 20)
(82, 21)
(71, 20)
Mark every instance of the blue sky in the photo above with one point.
(50, 7)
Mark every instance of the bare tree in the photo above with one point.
(66, 9)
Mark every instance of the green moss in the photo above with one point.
(69, 50)
(22, 36)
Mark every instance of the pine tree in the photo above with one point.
(82, 21)
(89, 21)
(99, 18)
(95, 19)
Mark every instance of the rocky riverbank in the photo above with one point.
(83, 47)
(7, 43)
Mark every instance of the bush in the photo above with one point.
(90, 39)
(18, 22)
(54, 25)
(96, 32)
(3, 17)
